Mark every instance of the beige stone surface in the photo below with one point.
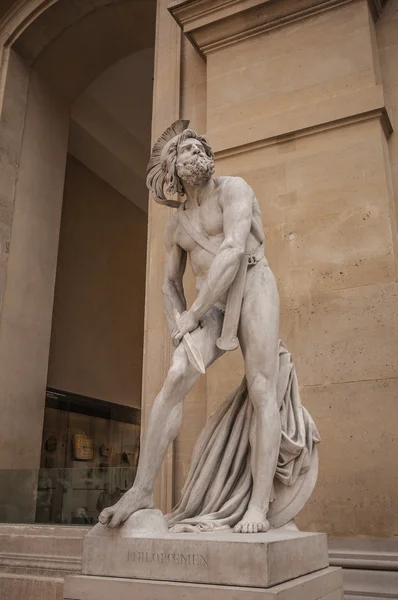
(360, 584)
(325, 584)
(365, 554)
(223, 558)
(351, 335)
(157, 344)
(48, 545)
(327, 219)
(99, 293)
(13, 106)
(18, 490)
(357, 476)
(311, 71)
(28, 296)
(34, 587)
(34, 560)
(387, 42)
(193, 86)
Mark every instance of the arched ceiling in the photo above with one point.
(111, 125)
(74, 41)
(98, 54)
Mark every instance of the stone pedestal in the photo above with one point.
(129, 563)
(325, 584)
(221, 558)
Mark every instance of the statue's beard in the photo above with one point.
(196, 170)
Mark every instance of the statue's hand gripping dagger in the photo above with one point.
(193, 352)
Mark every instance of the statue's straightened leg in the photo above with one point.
(165, 420)
(259, 333)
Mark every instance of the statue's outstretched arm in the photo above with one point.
(173, 291)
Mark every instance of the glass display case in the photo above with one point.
(89, 456)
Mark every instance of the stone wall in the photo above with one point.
(39, 79)
(387, 43)
(98, 318)
(295, 105)
(28, 296)
(35, 559)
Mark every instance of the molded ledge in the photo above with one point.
(213, 24)
(370, 566)
(36, 557)
(371, 554)
(338, 112)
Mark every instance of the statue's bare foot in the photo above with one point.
(254, 521)
(132, 501)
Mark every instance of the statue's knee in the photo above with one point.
(260, 383)
(262, 390)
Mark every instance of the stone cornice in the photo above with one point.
(376, 554)
(377, 113)
(69, 564)
(213, 24)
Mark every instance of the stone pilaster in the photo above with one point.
(295, 105)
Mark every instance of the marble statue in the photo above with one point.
(255, 463)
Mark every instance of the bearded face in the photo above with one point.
(193, 166)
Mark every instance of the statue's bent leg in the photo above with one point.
(165, 420)
(259, 335)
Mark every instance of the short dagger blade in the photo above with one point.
(193, 353)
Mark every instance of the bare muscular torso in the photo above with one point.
(208, 218)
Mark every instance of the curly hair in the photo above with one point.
(172, 181)
(162, 172)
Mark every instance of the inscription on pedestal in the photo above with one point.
(173, 559)
(217, 558)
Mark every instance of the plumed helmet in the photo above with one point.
(156, 176)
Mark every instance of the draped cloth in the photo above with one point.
(219, 484)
